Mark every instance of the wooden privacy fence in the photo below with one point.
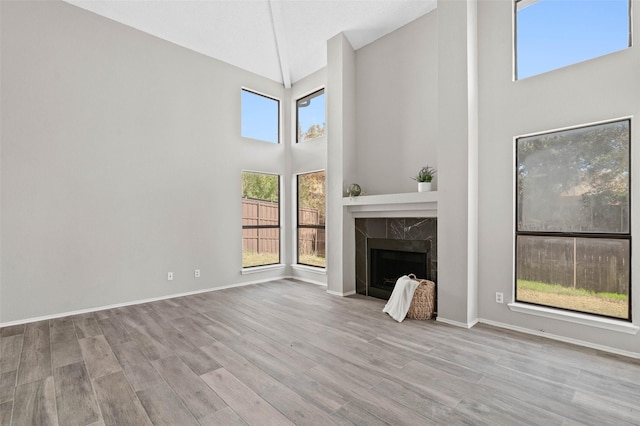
(310, 240)
(259, 212)
(599, 265)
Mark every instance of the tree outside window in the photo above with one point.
(260, 219)
(310, 116)
(573, 220)
(311, 219)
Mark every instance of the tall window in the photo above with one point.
(551, 34)
(260, 219)
(573, 236)
(311, 219)
(310, 116)
(260, 117)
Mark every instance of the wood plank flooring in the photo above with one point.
(286, 352)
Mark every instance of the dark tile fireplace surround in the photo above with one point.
(397, 229)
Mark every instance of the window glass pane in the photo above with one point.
(311, 116)
(260, 219)
(551, 34)
(260, 117)
(311, 219)
(260, 247)
(311, 198)
(311, 247)
(575, 180)
(581, 274)
(261, 186)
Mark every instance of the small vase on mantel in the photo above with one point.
(424, 186)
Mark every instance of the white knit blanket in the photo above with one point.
(400, 300)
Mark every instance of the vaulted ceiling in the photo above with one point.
(283, 40)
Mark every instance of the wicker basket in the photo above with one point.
(424, 300)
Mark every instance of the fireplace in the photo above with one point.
(389, 259)
(415, 231)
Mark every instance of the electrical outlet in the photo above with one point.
(499, 297)
(170, 276)
(196, 273)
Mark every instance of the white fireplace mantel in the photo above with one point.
(409, 204)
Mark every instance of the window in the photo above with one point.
(310, 116)
(552, 34)
(260, 219)
(573, 240)
(311, 219)
(260, 117)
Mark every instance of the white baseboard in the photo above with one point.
(339, 293)
(307, 280)
(457, 323)
(603, 348)
(134, 302)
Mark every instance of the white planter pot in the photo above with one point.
(424, 186)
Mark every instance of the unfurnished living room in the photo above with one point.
(210, 211)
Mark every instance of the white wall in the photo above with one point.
(341, 166)
(121, 161)
(397, 107)
(600, 89)
(457, 112)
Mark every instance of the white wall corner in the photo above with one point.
(340, 94)
(472, 155)
(457, 323)
(457, 161)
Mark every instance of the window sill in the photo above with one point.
(307, 268)
(258, 269)
(576, 318)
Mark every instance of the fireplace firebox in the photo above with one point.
(389, 259)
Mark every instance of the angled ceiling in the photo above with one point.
(283, 40)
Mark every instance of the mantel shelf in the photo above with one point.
(386, 199)
(409, 204)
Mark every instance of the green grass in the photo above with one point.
(251, 258)
(313, 260)
(609, 304)
(567, 291)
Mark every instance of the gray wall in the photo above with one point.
(600, 89)
(457, 274)
(341, 163)
(397, 107)
(121, 161)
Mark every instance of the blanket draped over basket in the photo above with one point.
(400, 300)
(411, 297)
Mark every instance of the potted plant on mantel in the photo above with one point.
(424, 178)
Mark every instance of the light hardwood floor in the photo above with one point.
(284, 352)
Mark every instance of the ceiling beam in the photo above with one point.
(278, 33)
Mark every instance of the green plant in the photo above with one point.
(425, 174)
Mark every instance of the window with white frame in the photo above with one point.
(310, 117)
(260, 219)
(260, 117)
(551, 34)
(311, 214)
(573, 236)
